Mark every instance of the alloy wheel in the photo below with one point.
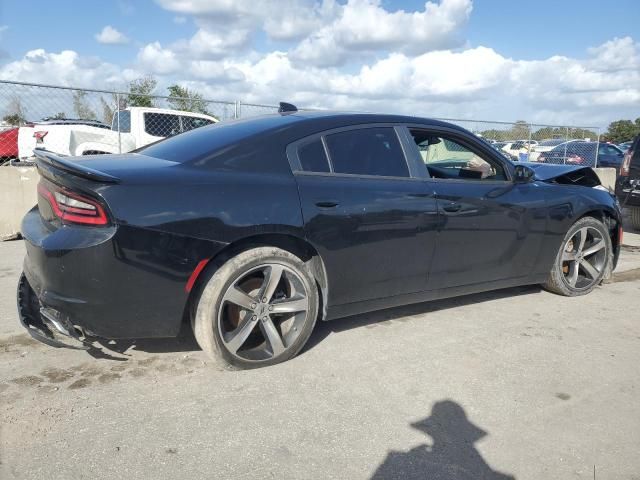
(584, 258)
(263, 311)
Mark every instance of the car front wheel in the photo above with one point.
(256, 309)
(583, 260)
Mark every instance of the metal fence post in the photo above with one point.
(118, 122)
(236, 113)
(566, 139)
(597, 148)
(529, 144)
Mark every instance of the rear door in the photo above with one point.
(366, 211)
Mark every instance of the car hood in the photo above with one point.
(545, 171)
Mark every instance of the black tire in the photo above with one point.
(214, 313)
(560, 277)
(635, 217)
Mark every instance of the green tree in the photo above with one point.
(81, 107)
(520, 130)
(622, 130)
(181, 98)
(140, 91)
(59, 116)
(108, 109)
(15, 112)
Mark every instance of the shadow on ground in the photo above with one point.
(185, 341)
(451, 455)
(324, 329)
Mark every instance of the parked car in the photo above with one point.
(257, 228)
(8, 144)
(625, 146)
(132, 128)
(545, 146)
(29, 134)
(584, 153)
(628, 183)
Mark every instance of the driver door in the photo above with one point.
(491, 228)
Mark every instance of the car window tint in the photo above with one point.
(445, 158)
(189, 123)
(161, 124)
(121, 121)
(367, 151)
(313, 158)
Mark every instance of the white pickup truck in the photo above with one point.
(132, 128)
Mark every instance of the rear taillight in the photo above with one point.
(39, 135)
(573, 158)
(71, 207)
(626, 163)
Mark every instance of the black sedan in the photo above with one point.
(254, 229)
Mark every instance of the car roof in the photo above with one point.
(311, 121)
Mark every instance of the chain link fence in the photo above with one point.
(71, 121)
(529, 142)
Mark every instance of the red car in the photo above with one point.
(9, 143)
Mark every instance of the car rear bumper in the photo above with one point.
(111, 282)
(627, 196)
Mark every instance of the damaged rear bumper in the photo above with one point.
(46, 324)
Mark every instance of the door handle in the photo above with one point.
(327, 204)
(452, 207)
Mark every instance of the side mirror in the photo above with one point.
(523, 174)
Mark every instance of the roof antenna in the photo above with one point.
(287, 107)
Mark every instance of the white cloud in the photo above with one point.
(364, 26)
(111, 36)
(66, 68)
(155, 59)
(180, 20)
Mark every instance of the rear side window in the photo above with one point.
(367, 151)
(313, 157)
(161, 124)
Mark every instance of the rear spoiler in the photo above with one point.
(45, 157)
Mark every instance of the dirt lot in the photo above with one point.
(517, 383)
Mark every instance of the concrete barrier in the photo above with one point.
(18, 194)
(607, 177)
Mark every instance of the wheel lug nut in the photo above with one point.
(264, 299)
(264, 319)
(270, 308)
(254, 317)
(253, 305)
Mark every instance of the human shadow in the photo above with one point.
(186, 342)
(451, 454)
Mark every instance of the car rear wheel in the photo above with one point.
(583, 260)
(256, 309)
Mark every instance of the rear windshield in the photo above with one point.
(201, 142)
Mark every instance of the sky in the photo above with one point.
(554, 62)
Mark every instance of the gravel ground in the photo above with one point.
(517, 382)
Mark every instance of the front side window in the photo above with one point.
(367, 151)
(448, 159)
(161, 124)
